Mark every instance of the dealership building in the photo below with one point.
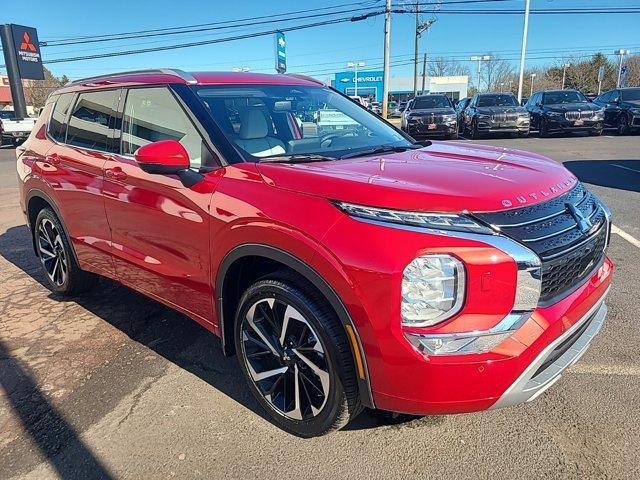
(370, 84)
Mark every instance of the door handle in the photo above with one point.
(115, 173)
(53, 159)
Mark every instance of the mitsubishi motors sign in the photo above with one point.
(25, 42)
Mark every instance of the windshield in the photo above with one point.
(556, 98)
(7, 114)
(630, 95)
(497, 101)
(279, 120)
(435, 101)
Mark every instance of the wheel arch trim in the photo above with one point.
(302, 268)
(36, 193)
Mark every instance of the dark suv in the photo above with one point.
(489, 113)
(430, 116)
(621, 109)
(564, 111)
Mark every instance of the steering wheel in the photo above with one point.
(326, 139)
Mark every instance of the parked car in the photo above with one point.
(430, 116)
(490, 113)
(394, 110)
(621, 109)
(376, 108)
(564, 111)
(460, 107)
(346, 270)
(14, 130)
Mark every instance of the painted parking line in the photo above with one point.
(626, 168)
(629, 238)
(598, 369)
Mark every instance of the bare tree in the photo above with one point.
(37, 91)
(445, 67)
(497, 73)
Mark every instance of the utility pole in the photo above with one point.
(387, 54)
(533, 75)
(621, 53)
(564, 73)
(415, 52)
(424, 72)
(523, 52)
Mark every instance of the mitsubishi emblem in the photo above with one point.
(584, 224)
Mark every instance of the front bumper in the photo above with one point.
(436, 130)
(517, 126)
(564, 125)
(15, 136)
(518, 370)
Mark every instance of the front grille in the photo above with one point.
(579, 115)
(504, 117)
(431, 118)
(570, 250)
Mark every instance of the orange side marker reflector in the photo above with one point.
(356, 350)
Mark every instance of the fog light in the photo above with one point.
(432, 290)
(456, 344)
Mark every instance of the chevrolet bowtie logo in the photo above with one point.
(584, 224)
(26, 43)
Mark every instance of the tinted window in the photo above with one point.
(604, 98)
(563, 97)
(89, 122)
(435, 101)
(153, 114)
(505, 100)
(632, 94)
(57, 125)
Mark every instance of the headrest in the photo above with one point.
(253, 124)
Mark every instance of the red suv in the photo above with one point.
(346, 266)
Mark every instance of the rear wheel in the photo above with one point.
(294, 354)
(62, 273)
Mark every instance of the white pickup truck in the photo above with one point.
(13, 131)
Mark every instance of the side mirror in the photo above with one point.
(167, 157)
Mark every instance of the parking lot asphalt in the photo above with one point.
(114, 385)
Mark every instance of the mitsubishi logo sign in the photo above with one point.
(26, 43)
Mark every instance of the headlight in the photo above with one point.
(449, 118)
(432, 290)
(635, 111)
(599, 114)
(483, 116)
(438, 221)
(555, 114)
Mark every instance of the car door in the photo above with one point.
(159, 227)
(81, 127)
(612, 109)
(534, 107)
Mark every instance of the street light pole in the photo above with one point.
(355, 66)
(523, 52)
(564, 73)
(621, 53)
(387, 55)
(479, 59)
(533, 75)
(415, 52)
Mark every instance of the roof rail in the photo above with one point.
(305, 77)
(187, 77)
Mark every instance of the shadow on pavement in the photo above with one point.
(168, 333)
(48, 430)
(620, 174)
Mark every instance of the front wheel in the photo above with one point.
(544, 128)
(295, 356)
(623, 125)
(475, 134)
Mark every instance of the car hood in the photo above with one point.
(572, 107)
(494, 110)
(630, 104)
(432, 111)
(443, 177)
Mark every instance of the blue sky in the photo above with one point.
(321, 50)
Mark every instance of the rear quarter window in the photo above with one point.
(57, 127)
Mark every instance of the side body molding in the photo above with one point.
(312, 276)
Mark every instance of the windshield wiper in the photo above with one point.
(383, 149)
(296, 159)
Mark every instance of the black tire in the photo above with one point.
(53, 248)
(523, 134)
(273, 296)
(595, 133)
(452, 136)
(544, 128)
(623, 125)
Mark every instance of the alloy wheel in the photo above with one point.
(52, 253)
(285, 359)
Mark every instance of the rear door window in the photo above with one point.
(89, 125)
(57, 126)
